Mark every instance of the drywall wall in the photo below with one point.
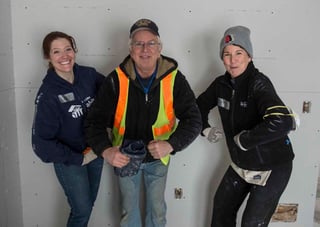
(10, 186)
(284, 37)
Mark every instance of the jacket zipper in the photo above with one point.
(232, 105)
(232, 110)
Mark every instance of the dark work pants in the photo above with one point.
(261, 203)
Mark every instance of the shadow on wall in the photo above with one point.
(317, 207)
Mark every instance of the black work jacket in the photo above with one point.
(142, 110)
(249, 104)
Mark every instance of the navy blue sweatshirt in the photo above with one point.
(60, 109)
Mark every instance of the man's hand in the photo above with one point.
(159, 148)
(114, 157)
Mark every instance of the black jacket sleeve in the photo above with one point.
(277, 119)
(100, 116)
(188, 114)
(207, 101)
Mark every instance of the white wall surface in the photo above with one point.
(285, 41)
(10, 186)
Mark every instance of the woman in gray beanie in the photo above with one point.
(256, 124)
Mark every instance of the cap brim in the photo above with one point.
(143, 29)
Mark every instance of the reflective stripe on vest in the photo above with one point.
(120, 115)
(166, 118)
(165, 123)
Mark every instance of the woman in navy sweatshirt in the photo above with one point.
(61, 104)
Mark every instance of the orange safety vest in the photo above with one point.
(165, 123)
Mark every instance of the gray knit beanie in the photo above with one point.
(238, 35)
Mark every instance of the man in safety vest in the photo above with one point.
(152, 111)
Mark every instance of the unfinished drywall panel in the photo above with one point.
(6, 54)
(11, 200)
(191, 33)
(10, 187)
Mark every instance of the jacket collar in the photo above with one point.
(165, 66)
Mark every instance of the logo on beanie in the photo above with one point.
(228, 39)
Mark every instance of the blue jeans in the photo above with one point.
(155, 177)
(261, 203)
(80, 185)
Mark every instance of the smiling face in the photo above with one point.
(62, 57)
(235, 60)
(145, 49)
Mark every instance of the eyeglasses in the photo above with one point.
(141, 45)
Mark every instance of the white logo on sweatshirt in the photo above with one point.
(76, 111)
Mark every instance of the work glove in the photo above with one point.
(88, 156)
(213, 134)
(136, 151)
